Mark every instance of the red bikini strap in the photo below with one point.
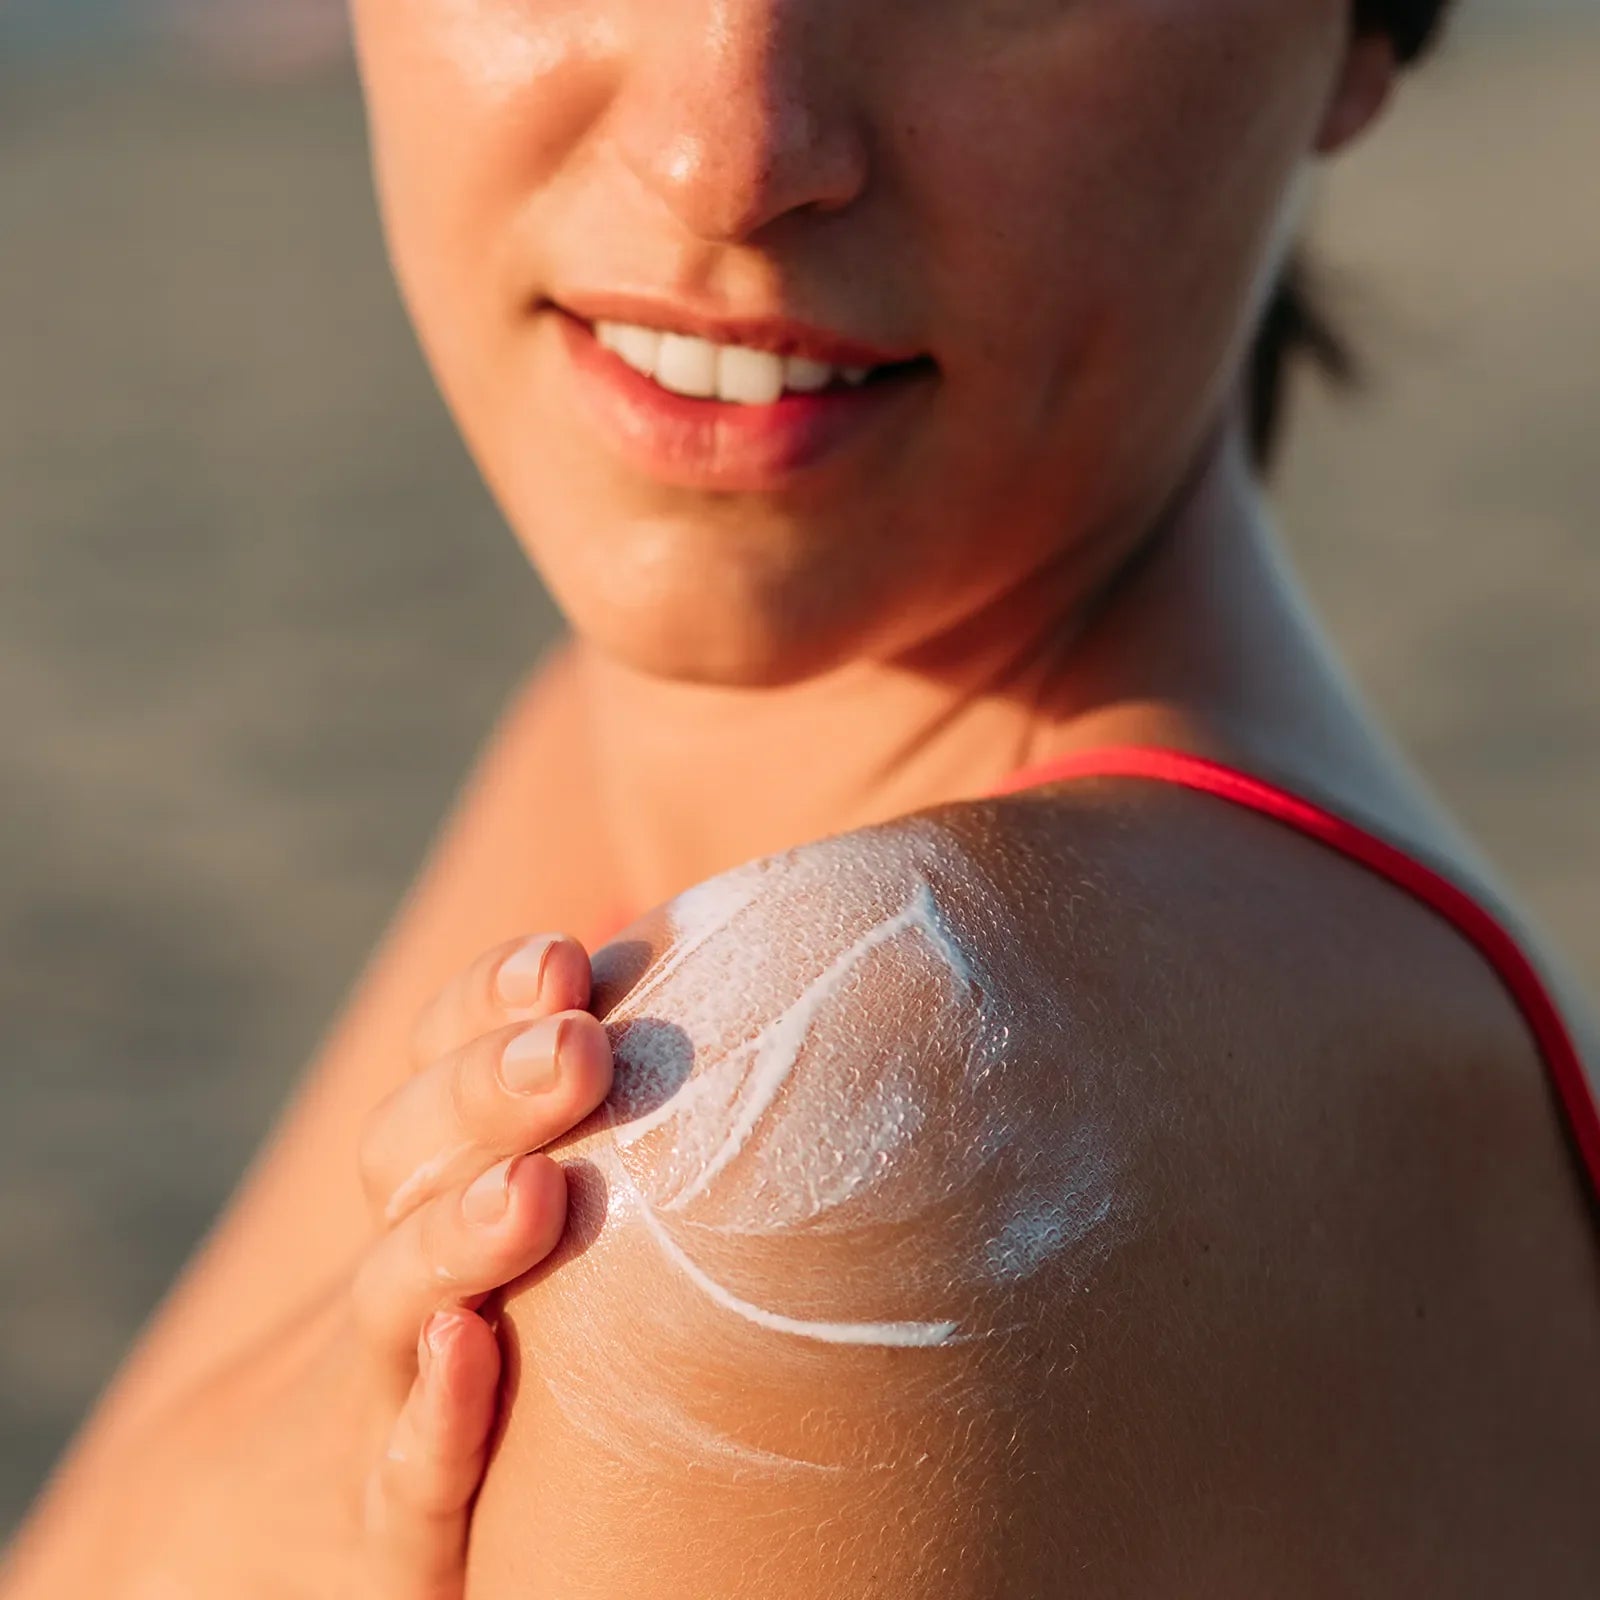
(1474, 921)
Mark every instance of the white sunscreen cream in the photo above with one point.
(832, 1043)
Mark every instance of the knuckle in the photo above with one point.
(483, 1112)
(462, 1072)
(406, 1482)
(372, 1164)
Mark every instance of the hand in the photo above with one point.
(341, 1457)
(509, 1061)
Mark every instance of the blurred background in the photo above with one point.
(256, 612)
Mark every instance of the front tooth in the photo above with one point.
(687, 365)
(639, 347)
(806, 375)
(750, 377)
(856, 376)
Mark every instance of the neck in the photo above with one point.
(1197, 641)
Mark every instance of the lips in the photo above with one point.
(731, 446)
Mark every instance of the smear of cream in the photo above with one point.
(775, 1051)
(698, 915)
(828, 1047)
(786, 1076)
(623, 1390)
(890, 1334)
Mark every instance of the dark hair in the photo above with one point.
(1295, 327)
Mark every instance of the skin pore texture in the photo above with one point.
(848, 1076)
(833, 1122)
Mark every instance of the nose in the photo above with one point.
(738, 112)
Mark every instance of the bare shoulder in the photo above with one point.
(1008, 1193)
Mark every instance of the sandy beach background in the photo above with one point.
(256, 612)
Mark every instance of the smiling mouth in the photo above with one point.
(726, 419)
(694, 368)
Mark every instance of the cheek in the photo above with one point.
(1112, 165)
(1122, 174)
(472, 105)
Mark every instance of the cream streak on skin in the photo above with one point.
(830, 1045)
(778, 1080)
(773, 1054)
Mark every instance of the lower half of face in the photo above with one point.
(1070, 209)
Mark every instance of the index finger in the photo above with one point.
(518, 980)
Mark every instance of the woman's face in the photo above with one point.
(1067, 210)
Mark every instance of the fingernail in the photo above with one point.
(486, 1198)
(427, 1346)
(521, 974)
(435, 1336)
(532, 1060)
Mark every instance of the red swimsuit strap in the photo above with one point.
(1478, 925)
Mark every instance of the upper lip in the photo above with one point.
(780, 336)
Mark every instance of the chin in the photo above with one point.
(748, 662)
(718, 644)
(735, 623)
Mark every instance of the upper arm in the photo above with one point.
(995, 1222)
(798, 1340)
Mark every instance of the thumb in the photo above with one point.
(420, 1493)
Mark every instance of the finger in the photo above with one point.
(457, 1249)
(515, 981)
(419, 1494)
(511, 1090)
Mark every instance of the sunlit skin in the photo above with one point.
(1074, 208)
(913, 175)
(1054, 539)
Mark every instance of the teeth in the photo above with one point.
(637, 346)
(687, 366)
(751, 377)
(805, 375)
(731, 373)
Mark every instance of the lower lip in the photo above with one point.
(711, 444)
